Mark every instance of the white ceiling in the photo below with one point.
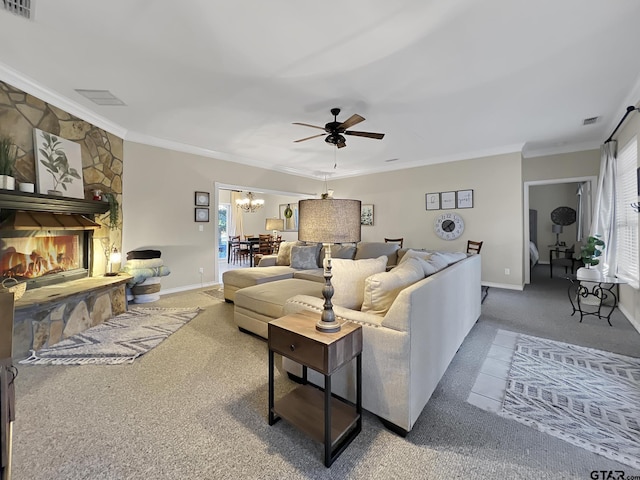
(443, 79)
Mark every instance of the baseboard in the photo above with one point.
(502, 285)
(185, 288)
(633, 321)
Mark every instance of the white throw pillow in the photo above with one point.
(453, 257)
(438, 261)
(423, 254)
(348, 278)
(381, 289)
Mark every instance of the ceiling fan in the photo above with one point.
(336, 130)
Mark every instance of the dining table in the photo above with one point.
(249, 242)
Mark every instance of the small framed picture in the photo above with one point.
(447, 200)
(202, 199)
(433, 201)
(202, 215)
(366, 214)
(464, 198)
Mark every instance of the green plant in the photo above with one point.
(114, 209)
(592, 250)
(56, 161)
(8, 152)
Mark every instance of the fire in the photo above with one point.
(30, 257)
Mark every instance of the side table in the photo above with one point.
(589, 296)
(334, 422)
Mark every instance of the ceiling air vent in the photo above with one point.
(101, 97)
(24, 8)
(590, 121)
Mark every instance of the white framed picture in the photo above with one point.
(366, 214)
(433, 201)
(447, 200)
(289, 213)
(464, 198)
(58, 165)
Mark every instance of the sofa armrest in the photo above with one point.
(307, 302)
(268, 261)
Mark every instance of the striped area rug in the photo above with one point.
(119, 340)
(587, 397)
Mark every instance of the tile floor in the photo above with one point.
(488, 391)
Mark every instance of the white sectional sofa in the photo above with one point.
(412, 325)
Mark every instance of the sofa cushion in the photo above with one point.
(438, 261)
(284, 253)
(375, 249)
(247, 277)
(304, 257)
(347, 251)
(453, 257)
(381, 289)
(314, 275)
(411, 253)
(349, 276)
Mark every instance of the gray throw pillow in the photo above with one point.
(284, 253)
(304, 258)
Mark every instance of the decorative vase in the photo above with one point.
(27, 187)
(7, 182)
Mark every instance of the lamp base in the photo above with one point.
(328, 327)
(328, 322)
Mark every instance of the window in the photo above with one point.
(626, 217)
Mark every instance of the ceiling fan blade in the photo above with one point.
(307, 125)
(309, 138)
(378, 136)
(351, 121)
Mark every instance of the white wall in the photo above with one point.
(496, 218)
(158, 206)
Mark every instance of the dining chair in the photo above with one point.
(473, 247)
(394, 240)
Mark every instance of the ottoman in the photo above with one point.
(256, 306)
(236, 279)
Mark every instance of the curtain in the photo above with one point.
(235, 225)
(584, 211)
(604, 215)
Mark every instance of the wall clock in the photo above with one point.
(448, 226)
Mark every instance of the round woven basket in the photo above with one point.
(17, 288)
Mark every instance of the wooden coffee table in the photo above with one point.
(330, 420)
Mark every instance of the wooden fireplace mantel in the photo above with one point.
(15, 200)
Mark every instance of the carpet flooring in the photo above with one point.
(195, 407)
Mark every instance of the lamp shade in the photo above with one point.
(329, 220)
(274, 224)
(556, 228)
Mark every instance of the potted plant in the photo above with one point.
(114, 209)
(590, 252)
(8, 153)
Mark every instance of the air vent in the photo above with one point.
(24, 8)
(590, 121)
(392, 160)
(101, 97)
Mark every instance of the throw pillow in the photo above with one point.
(453, 257)
(423, 254)
(381, 289)
(304, 257)
(375, 249)
(438, 261)
(348, 279)
(340, 251)
(284, 253)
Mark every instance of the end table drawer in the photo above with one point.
(299, 348)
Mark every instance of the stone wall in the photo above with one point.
(102, 153)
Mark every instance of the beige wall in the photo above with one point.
(629, 297)
(496, 218)
(159, 187)
(563, 165)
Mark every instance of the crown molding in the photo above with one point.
(571, 148)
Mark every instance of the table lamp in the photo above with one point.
(557, 229)
(114, 257)
(275, 225)
(328, 221)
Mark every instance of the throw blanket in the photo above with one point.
(141, 273)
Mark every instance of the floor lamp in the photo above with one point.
(328, 221)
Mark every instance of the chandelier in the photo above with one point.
(250, 204)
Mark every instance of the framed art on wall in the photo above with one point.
(202, 214)
(289, 213)
(447, 200)
(58, 165)
(202, 199)
(433, 201)
(366, 214)
(464, 198)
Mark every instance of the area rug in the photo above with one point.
(218, 293)
(587, 397)
(119, 340)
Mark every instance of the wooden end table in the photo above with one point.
(330, 420)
